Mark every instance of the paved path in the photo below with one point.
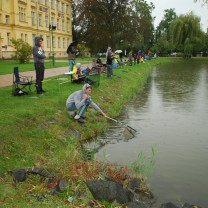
(7, 79)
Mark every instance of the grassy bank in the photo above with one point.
(36, 131)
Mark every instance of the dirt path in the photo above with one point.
(7, 79)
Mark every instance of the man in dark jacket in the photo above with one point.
(109, 63)
(39, 56)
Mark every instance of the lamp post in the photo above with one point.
(51, 29)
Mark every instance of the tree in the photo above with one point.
(23, 50)
(186, 31)
(102, 23)
(204, 1)
(142, 22)
(164, 26)
(163, 45)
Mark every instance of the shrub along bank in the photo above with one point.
(36, 131)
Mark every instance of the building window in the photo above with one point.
(46, 2)
(59, 42)
(40, 19)
(63, 42)
(57, 24)
(46, 21)
(54, 41)
(22, 36)
(62, 7)
(33, 39)
(52, 20)
(63, 28)
(67, 9)
(52, 4)
(25, 37)
(67, 26)
(7, 19)
(57, 5)
(33, 18)
(21, 14)
(39, 1)
(8, 38)
(47, 41)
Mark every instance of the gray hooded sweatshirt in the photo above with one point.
(77, 99)
(38, 52)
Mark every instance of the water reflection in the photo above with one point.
(172, 113)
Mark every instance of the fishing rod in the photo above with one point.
(120, 122)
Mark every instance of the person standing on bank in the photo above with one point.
(109, 63)
(72, 51)
(80, 100)
(39, 56)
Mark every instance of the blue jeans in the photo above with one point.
(82, 110)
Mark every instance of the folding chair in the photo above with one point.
(21, 83)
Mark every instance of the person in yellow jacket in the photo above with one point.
(141, 60)
(78, 75)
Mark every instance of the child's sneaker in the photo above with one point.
(76, 117)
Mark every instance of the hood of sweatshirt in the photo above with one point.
(85, 87)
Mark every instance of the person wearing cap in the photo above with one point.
(39, 56)
(80, 100)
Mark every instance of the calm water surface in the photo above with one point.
(171, 113)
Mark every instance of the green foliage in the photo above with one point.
(163, 45)
(84, 51)
(164, 26)
(144, 164)
(186, 32)
(125, 22)
(23, 50)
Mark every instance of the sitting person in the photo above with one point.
(86, 71)
(78, 76)
(80, 100)
(99, 61)
(100, 64)
(141, 59)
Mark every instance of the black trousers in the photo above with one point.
(39, 69)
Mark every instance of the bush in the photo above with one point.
(23, 50)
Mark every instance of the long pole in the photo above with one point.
(53, 48)
(50, 28)
(37, 15)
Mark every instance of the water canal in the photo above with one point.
(171, 113)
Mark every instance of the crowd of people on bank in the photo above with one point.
(78, 102)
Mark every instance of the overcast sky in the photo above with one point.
(181, 7)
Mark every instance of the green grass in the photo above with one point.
(6, 67)
(36, 131)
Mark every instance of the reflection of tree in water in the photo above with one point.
(177, 82)
(139, 100)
